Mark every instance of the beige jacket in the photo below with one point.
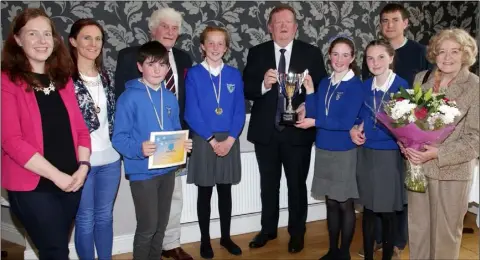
(457, 154)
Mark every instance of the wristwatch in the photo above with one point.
(85, 163)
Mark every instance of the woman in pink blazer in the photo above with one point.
(45, 142)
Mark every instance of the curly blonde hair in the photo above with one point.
(467, 43)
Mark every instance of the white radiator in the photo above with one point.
(245, 195)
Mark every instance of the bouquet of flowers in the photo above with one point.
(417, 118)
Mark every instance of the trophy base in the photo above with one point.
(288, 118)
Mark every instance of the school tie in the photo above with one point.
(281, 100)
(170, 79)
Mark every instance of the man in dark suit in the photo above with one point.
(276, 144)
(165, 27)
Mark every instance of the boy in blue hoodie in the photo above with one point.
(147, 106)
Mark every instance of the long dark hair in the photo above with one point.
(74, 31)
(353, 66)
(15, 63)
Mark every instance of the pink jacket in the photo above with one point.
(22, 134)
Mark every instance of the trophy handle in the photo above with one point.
(302, 78)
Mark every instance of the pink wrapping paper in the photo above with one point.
(411, 136)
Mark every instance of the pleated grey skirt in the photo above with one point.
(207, 169)
(380, 177)
(335, 175)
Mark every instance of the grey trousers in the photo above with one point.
(172, 233)
(152, 200)
(435, 219)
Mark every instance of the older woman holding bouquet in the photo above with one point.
(435, 218)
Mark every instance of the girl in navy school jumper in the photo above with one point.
(333, 110)
(215, 112)
(380, 164)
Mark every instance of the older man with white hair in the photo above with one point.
(164, 25)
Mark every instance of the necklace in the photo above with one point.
(46, 91)
(328, 99)
(218, 110)
(374, 84)
(159, 119)
(96, 83)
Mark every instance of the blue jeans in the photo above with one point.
(401, 234)
(94, 221)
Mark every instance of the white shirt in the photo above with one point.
(171, 59)
(214, 71)
(288, 55)
(403, 44)
(102, 150)
(346, 77)
(386, 85)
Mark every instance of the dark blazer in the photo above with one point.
(127, 70)
(262, 58)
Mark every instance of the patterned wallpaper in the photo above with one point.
(126, 22)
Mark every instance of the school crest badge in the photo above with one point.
(169, 111)
(339, 95)
(230, 87)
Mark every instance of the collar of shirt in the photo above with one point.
(346, 77)
(214, 71)
(288, 54)
(403, 44)
(386, 85)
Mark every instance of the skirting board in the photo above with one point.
(191, 233)
(473, 209)
(11, 234)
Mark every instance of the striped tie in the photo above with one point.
(170, 81)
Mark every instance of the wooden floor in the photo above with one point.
(316, 244)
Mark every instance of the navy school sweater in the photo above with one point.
(201, 102)
(333, 131)
(378, 137)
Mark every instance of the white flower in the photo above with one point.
(431, 120)
(410, 91)
(448, 113)
(411, 118)
(402, 108)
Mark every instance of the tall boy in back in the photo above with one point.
(147, 106)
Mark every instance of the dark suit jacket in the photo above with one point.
(262, 58)
(127, 70)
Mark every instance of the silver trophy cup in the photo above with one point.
(290, 85)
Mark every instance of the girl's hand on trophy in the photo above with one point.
(305, 123)
(301, 111)
(270, 78)
(308, 83)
